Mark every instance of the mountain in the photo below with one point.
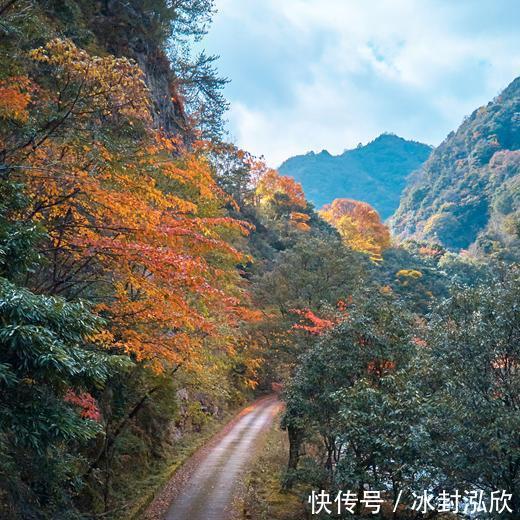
(468, 192)
(375, 173)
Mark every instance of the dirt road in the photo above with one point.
(207, 486)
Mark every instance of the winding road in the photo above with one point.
(207, 486)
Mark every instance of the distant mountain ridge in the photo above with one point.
(375, 173)
(468, 192)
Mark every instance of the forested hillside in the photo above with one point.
(375, 173)
(117, 254)
(155, 278)
(467, 192)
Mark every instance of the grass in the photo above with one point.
(264, 498)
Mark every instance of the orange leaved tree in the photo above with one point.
(282, 198)
(131, 220)
(359, 225)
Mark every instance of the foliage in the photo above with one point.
(236, 172)
(348, 383)
(100, 201)
(475, 419)
(280, 197)
(308, 278)
(151, 277)
(48, 348)
(359, 226)
(116, 212)
(397, 403)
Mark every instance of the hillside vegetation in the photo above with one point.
(468, 190)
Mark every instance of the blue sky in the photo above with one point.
(314, 74)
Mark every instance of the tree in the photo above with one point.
(474, 378)
(101, 201)
(359, 225)
(52, 364)
(311, 276)
(317, 270)
(102, 205)
(282, 197)
(120, 211)
(353, 397)
(235, 172)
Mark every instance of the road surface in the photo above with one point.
(207, 485)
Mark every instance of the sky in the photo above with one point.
(329, 74)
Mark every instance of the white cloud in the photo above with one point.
(354, 69)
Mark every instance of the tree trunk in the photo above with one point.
(295, 440)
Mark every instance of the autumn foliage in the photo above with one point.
(273, 186)
(312, 323)
(283, 199)
(359, 225)
(150, 280)
(87, 405)
(121, 259)
(132, 219)
(15, 95)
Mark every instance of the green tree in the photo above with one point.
(354, 398)
(474, 381)
(314, 274)
(50, 369)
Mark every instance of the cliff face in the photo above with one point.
(375, 173)
(139, 30)
(467, 192)
(128, 29)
